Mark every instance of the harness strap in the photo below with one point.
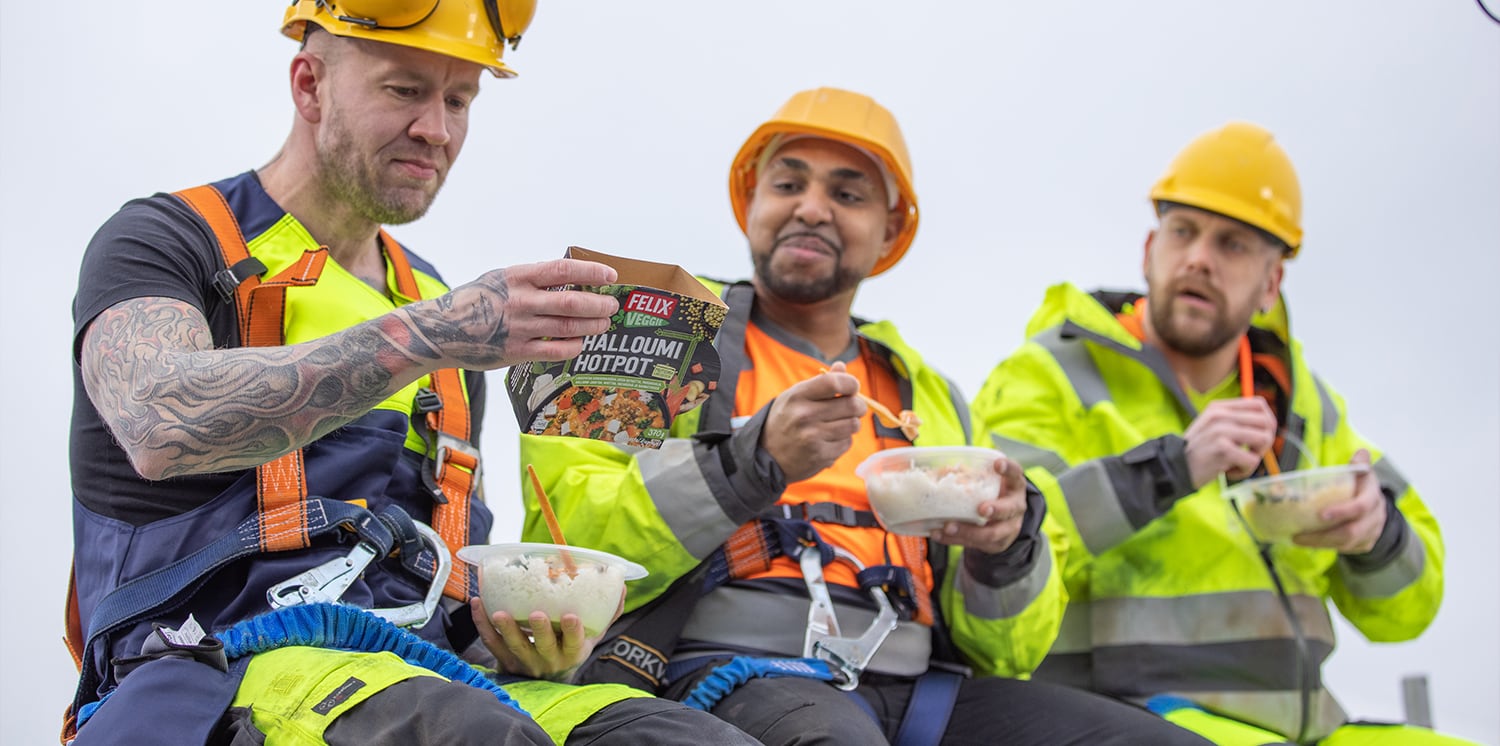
(261, 306)
(452, 460)
(823, 512)
(931, 706)
(750, 550)
(261, 309)
(165, 589)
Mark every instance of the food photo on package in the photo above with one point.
(655, 361)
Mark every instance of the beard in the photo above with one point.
(803, 289)
(354, 180)
(1221, 331)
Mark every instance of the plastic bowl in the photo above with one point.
(915, 490)
(520, 578)
(1279, 507)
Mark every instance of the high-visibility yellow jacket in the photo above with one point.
(1168, 594)
(669, 509)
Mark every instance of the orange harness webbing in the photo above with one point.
(283, 481)
(1248, 362)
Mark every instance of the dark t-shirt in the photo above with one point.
(158, 247)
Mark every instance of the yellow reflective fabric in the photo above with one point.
(295, 693)
(1363, 734)
(338, 301)
(559, 708)
(1221, 730)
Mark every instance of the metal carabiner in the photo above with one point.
(417, 613)
(325, 583)
(848, 656)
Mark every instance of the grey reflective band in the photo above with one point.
(1330, 412)
(1028, 455)
(1074, 636)
(1077, 365)
(1070, 334)
(1278, 711)
(1390, 477)
(1006, 602)
(960, 408)
(1095, 507)
(730, 344)
(677, 487)
(741, 619)
(1394, 577)
(1246, 666)
(1204, 619)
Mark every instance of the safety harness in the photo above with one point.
(637, 649)
(287, 517)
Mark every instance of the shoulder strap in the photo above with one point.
(452, 459)
(261, 308)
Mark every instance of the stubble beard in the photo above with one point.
(801, 289)
(1221, 331)
(352, 179)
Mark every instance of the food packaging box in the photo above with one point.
(655, 362)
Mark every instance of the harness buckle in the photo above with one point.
(426, 401)
(325, 583)
(444, 447)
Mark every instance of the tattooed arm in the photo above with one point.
(178, 406)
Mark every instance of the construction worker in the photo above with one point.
(275, 426)
(1132, 412)
(772, 586)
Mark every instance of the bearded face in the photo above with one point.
(1206, 276)
(818, 221)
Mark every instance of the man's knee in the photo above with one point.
(432, 710)
(804, 711)
(657, 722)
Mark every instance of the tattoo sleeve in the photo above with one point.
(178, 406)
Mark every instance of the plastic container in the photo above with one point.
(1279, 507)
(520, 578)
(915, 490)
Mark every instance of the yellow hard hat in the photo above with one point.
(473, 30)
(846, 117)
(1238, 171)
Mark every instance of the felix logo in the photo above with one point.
(650, 304)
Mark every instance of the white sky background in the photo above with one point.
(1036, 130)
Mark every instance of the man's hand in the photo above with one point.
(813, 422)
(1354, 524)
(508, 316)
(1003, 515)
(542, 654)
(1229, 437)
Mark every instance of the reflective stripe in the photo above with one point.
(1077, 365)
(743, 619)
(1396, 576)
(1330, 412)
(1277, 710)
(961, 409)
(1096, 510)
(1088, 378)
(730, 344)
(1029, 455)
(1246, 666)
(1390, 477)
(677, 487)
(1073, 636)
(1209, 618)
(1004, 603)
